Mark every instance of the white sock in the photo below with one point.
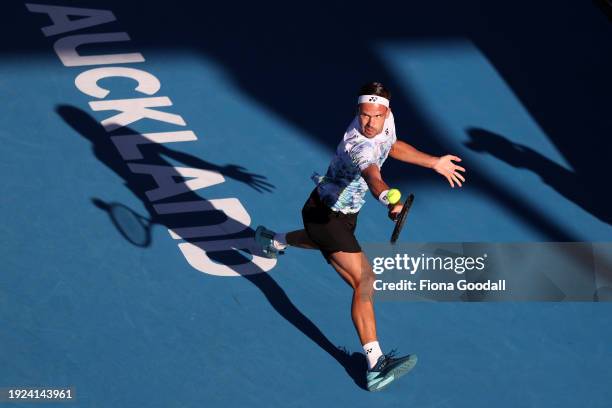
(280, 241)
(372, 352)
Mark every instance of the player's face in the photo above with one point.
(372, 118)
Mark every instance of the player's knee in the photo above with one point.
(367, 274)
(366, 283)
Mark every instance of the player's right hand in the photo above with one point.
(394, 210)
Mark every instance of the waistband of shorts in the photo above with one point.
(338, 214)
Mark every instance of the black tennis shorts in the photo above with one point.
(332, 231)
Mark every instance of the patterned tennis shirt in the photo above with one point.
(342, 188)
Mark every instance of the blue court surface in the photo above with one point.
(125, 284)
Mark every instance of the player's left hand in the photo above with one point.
(450, 170)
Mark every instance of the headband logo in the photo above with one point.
(373, 99)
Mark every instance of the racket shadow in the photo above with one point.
(135, 228)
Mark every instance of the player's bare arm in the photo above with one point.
(444, 165)
(377, 185)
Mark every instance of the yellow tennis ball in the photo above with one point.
(394, 196)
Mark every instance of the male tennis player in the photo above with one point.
(330, 216)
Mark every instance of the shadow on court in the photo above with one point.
(155, 153)
(295, 61)
(584, 190)
(136, 228)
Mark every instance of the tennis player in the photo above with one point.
(330, 216)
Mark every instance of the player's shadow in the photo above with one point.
(136, 228)
(155, 154)
(585, 191)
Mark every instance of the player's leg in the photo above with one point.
(300, 239)
(273, 243)
(355, 269)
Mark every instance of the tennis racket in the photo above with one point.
(401, 218)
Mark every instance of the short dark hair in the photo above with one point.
(375, 88)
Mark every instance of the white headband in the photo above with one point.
(373, 99)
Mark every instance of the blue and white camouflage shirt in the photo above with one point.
(342, 188)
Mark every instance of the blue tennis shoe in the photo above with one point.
(389, 369)
(264, 238)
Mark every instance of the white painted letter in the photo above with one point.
(238, 217)
(195, 254)
(128, 144)
(61, 22)
(87, 82)
(164, 177)
(135, 109)
(65, 48)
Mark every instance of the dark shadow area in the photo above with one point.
(136, 228)
(605, 6)
(584, 190)
(286, 56)
(106, 152)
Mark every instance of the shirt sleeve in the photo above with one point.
(363, 155)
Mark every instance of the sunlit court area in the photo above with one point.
(143, 143)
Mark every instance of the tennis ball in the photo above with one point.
(394, 196)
